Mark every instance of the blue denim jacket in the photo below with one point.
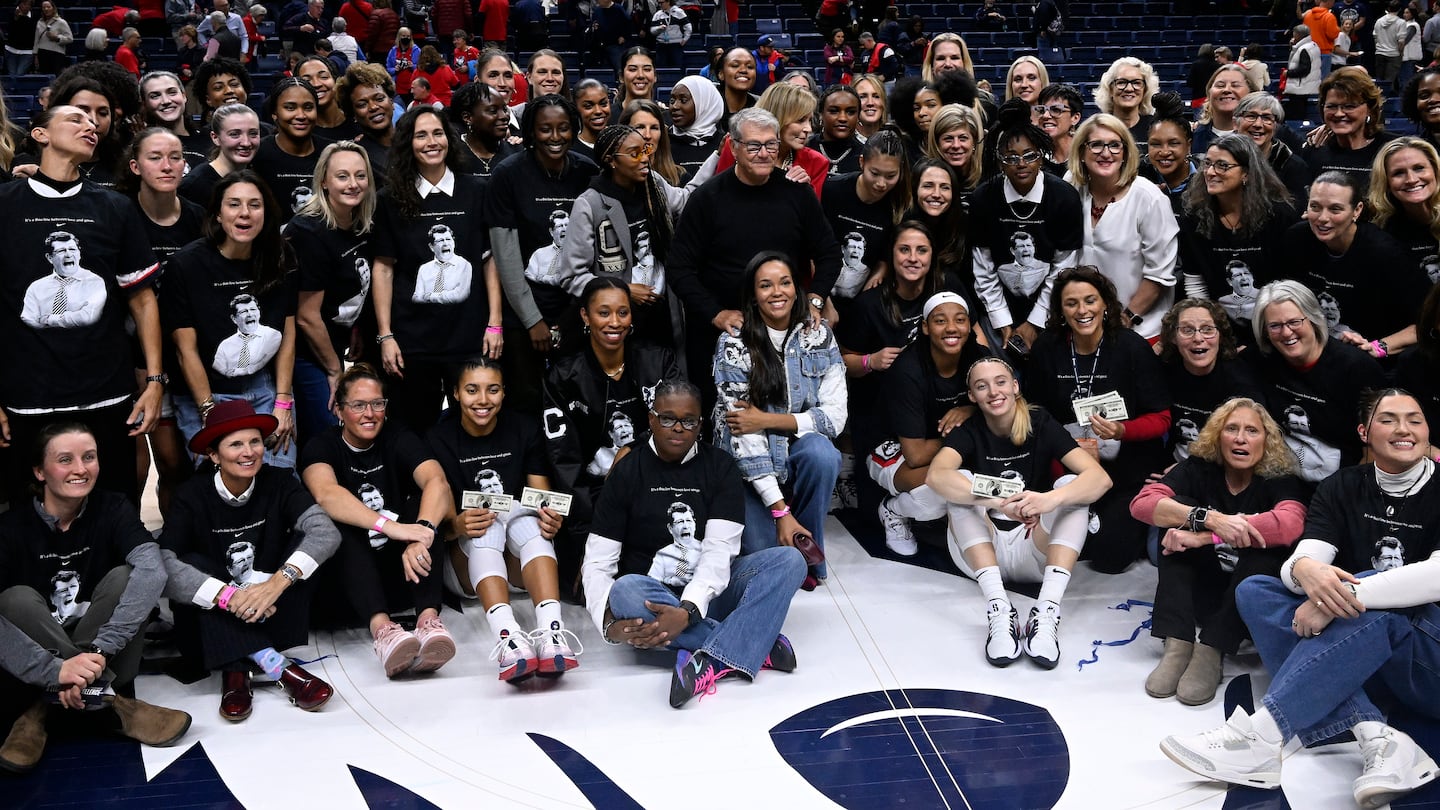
(815, 377)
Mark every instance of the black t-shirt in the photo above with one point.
(1374, 288)
(347, 130)
(870, 328)
(1053, 226)
(1194, 399)
(437, 310)
(844, 156)
(1418, 372)
(199, 184)
(1225, 258)
(382, 476)
(66, 302)
(649, 504)
(470, 163)
(1318, 406)
(167, 240)
(1351, 512)
(691, 153)
(1419, 244)
(1355, 162)
(1197, 482)
(196, 148)
(497, 463)
(337, 262)
(257, 535)
(288, 176)
(238, 331)
(919, 396)
(64, 566)
(862, 229)
(1032, 463)
(522, 196)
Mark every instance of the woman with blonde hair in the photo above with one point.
(1025, 79)
(1230, 510)
(1405, 196)
(947, 52)
(873, 104)
(794, 108)
(955, 137)
(1125, 91)
(1227, 86)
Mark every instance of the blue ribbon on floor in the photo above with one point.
(300, 662)
(1098, 643)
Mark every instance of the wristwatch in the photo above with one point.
(1197, 517)
(1132, 319)
(817, 302)
(427, 524)
(693, 611)
(94, 648)
(162, 378)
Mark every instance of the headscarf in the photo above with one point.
(709, 106)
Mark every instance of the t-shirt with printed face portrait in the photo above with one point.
(1032, 463)
(498, 462)
(336, 262)
(863, 230)
(388, 465)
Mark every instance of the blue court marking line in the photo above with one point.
(834, 581)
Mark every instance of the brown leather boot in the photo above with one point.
(151, 725)
(26, 743)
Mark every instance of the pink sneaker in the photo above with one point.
(436, 645)
(396, 648)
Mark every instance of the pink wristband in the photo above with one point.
(225, 593)
(865, 362)
(779, 513)
(1216, 539)
(494, 330)
(380, 522)
(1379, 348)
(283, 405)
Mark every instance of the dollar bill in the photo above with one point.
(990, 486)
(536, 498)
(1110, 406)
(494, 501)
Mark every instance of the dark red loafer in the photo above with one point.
(235, 696)
(305, 690)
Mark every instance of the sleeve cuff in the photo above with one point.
(205, 596)
(768, 489)
(304, 562)
(804, 423)
(699, 595)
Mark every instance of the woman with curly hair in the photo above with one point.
(1420, 102)
(367, 95)
(1229, 511)
(1201, 369)
(1125, 91)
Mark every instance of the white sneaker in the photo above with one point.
(515, 656)
(1002, 645)
(898, 537)
(1231, 753)
(1042, 635)
(1394, 766)
(554, 650)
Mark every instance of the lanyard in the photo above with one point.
(1087, 389)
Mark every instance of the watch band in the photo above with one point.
(605, 633)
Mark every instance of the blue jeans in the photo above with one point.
(814, 465)
(1325, 65)
(312, 397)
(18, 64)
(1318, 689)
(741, 623)
(261, 397)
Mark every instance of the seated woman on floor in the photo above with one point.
(661, 570)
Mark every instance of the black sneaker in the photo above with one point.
(781, 657)
(694, 675)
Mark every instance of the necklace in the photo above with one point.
(1096, 213)
(1034, 209)
(1390, 509)
(836, 161)
(615, 375)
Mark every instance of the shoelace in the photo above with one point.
(1376, 750)
(706, 684)
(388, 634)
(540, 635)
(1001, 622)
(511, 641)
(432, 625)
(1226, 734)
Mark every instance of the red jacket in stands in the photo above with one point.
(357, 20)
(448, 15)
(384, 25)
(113, 21)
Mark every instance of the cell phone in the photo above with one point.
(1017, 344)
(139, 420)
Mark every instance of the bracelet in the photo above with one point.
(284, 404)
(494, 330)
(1215, 538)
(379, 527)
(223, 602)
(383, 338)
(605, 633)
(780, 513)
(1381, 349)
(206, 406)
(865, 363)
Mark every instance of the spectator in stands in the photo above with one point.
(1201, 69)
(357, 15)
(839, 58)
(1389, 31)
(1229, 84)
(1411, 55)
(52, 40)
(463, 55)
(1058, 111)
(912, 44)
(1130, 231)
(695, 109)
(947, 52)
(116, 20)
(231, 22)
(1260, 116)
(188, 54)
(401, 61)
(1342, 52)
(873, 98)
(670, 26)
(1354, 126)
(1430, 32)
(253, 19)
(890, 29)
(611, 31)
(532, 32)
(803, 78)
(1025, 79)
(128, 54)
(180, 13)
(307, 27)
(1323, 27)
(877, 58)
(96, 44)
(496, 21)
(770, 63)
(384, 28)
(1050, 27)
(989, 18)
(1303, 73)
(737, 80)
(235, 131)
(1421, 104)
(20, 40)
(443, 80)
(448, 16)
(1404, 197)
(1202, 366)
(343, 43)
(833, 14)
(1231, 510)
(1125, 91)
(223, 44)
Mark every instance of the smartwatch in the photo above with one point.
(693, 611)
(1197, 517)
(1132, 319)
(162, 378)
(427, 524)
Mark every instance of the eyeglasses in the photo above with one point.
(1276, 327)
(1127, 84)
(1052, 109)
(1208, 330)
(669, 422)
(1025, 158)
(644, 150)
(1348, 107)
(1252, 117)
(1101, 147)
(358, 406)
(1221, 166)
(753, 148)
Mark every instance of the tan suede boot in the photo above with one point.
(1197, 686)
(26, 743)
(150, 725)
(1162, 682)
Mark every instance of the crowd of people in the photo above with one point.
(635, 352)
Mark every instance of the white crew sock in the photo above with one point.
(547, 615)
(1052, 587)
(991, 585)
(502, 619)
(1264, 725)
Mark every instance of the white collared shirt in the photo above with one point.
(446, 185)
(234, 500)
(1034, 195)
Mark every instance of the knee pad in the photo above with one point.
(533, 549)
(920, 503)
(493, 538)
(969, 526)
(486, 563)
